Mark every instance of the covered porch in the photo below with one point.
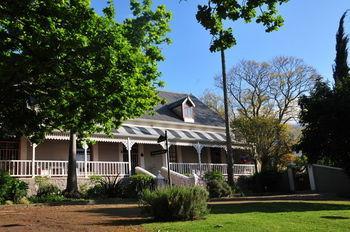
(130, 146)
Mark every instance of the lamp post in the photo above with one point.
(162, 139)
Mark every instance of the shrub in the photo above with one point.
(262, 182)
(216, 185)
(24, 201)
(246, 184)
(214, 175)
(48, 199)
(11, 189)
(83, 189)
(175, 203)
(45, 188)
(218, 189)
(136, 184)
(104, 187)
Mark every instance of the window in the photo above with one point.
(173, 154)
(9, 150)
(188, 112)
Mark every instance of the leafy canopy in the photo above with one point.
(63, 66)
(213, 15)
(325, 113)
(272, 140)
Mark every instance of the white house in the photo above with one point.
(196, 138)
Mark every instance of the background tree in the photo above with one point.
(212, 16)
(270, 89)
(324, 114)
(317, 122)
(213, 101)
(341, 68)
(272, 140)
(78, 71)
(265, 96)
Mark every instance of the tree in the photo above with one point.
(318, 124)
(78, 71)
(212, 17)
(270, 89)
(271, 139)
(324, 114)
(213, 101)
(341, 68)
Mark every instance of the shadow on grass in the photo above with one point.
(335, 217)
(130, 215)
(273, 207)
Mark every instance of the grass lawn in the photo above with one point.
(267, 216)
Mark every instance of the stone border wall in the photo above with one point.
(59, 181)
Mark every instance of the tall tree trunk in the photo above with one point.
(72, 183)
(229, 150)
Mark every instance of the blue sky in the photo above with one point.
(308, 33)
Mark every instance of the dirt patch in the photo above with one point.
(104, 217)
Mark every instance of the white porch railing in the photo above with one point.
(188, 168)
(56, 168)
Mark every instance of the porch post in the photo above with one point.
(199, 148)
(129, 154)
(33, 159)
(85, 147)
(142, 155)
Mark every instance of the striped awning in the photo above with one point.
(173, 134)
(147, 133)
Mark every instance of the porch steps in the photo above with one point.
(180, 179)
(140, 170)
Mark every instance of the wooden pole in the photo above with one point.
(168, 157)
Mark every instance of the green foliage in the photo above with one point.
(11, 189)
(49, 193)
(218, 189)
(104, 187)
(212, 15)
(45, 188)
(48, 199)
(65, 67)
(136, 184)
(272, 140)
(325, 135)
(214, 175)
(216, 185)
(263, 182)
(132, 187)
(24, 201)
(341, 68)
(260, 216)
(85, 75)
(175, 203)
